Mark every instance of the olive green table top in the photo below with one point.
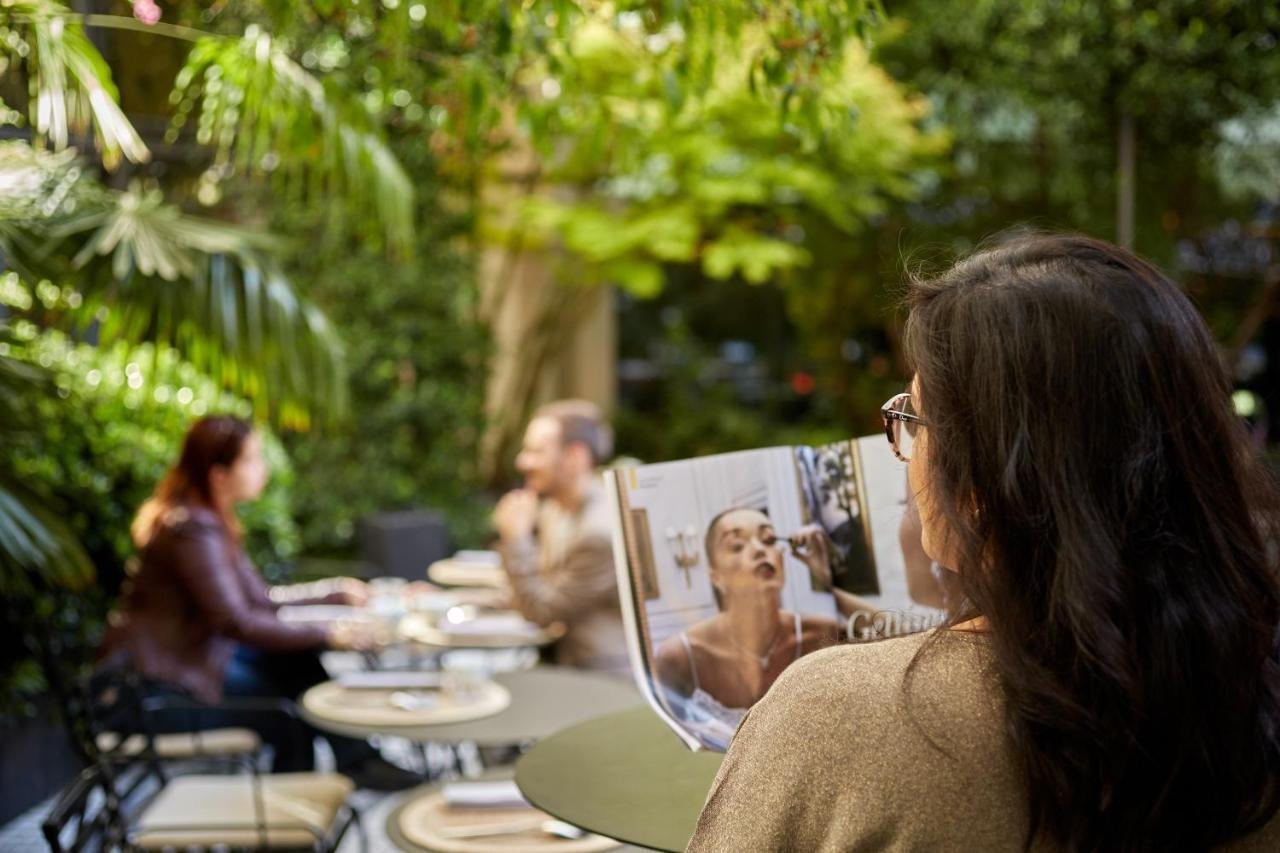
(544, 700)
(624, 775)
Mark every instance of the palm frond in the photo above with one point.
(237, 320)
(147, 272)
(72, 89)
(262, 111)
(144, 234)
(35, 544)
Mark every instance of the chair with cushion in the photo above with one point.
(134, 795)
(208, 743)
(111, 715)
(142, 806)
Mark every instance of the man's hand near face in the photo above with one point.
(515, 514)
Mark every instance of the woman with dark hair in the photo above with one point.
(1108, 678)
(197, 618)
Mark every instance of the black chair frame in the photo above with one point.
(99, 807)
(116, 700)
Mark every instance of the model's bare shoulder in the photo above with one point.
(671, 664)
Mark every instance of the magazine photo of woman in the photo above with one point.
(713, 672)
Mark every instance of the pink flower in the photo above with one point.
(146, 11)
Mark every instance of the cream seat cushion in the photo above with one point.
(231, 741)
(207, 810)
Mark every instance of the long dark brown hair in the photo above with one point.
(1110, 522)
(213, 441)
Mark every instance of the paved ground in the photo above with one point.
(23, 833)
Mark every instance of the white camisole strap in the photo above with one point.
(688, 650)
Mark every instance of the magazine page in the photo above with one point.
(857, 492)
(732, 567)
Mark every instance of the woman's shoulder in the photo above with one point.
(853, 741)
(671, 649)
(180, 528)
(864, 682)
(188, 519)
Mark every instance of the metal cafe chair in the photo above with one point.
(133, 797)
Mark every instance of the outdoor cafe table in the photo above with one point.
(397, 835)
(418, 629)
(624, 775)
(419, 635)
(544, 700)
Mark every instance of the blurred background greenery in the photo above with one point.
(318, 214)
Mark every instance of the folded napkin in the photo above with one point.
(390, 680)
(505, 624)
(480, 558)
(308, 613)
(484, 795)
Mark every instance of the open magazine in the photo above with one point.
(732, 567)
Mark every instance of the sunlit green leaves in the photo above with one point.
(143, 271)
(722, 176)
(97, 434)
(33, 540)
(264, 113)
(756, 258)
(71, 87)
(241, 324)
(144, 234)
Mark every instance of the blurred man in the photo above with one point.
(555, 537)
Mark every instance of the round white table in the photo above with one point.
(544, 700)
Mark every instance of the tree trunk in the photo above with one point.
(1125, 168)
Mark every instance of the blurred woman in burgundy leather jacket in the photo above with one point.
(197, 616)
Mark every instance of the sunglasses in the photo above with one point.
(900, 424)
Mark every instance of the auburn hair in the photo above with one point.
(213, 441)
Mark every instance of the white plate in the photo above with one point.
(309, 614)
(455, 572)
(496, 631)
(390, 680)
(426, 819)
(331, 701)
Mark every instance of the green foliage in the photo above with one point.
(109, 431)
(418, 359)
(1247, 158)
(34, 541)
(1180, 66)
(616, 99)
(695, 410)
(262, 112)
(721, 176)
(1034, 92)
(1031, 95)
(144, 271)
(416, 350)
(70, 83)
